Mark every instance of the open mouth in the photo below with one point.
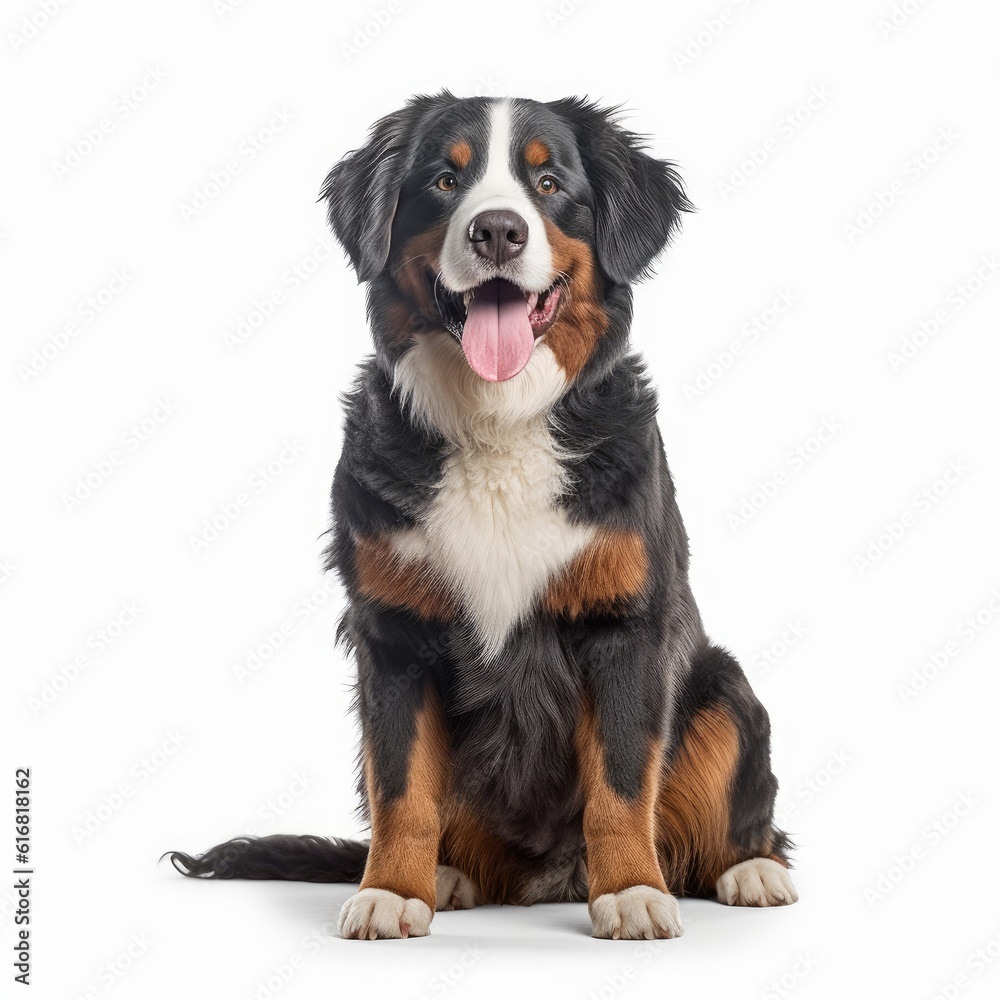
(498, 323)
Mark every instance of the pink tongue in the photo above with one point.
(497, 338)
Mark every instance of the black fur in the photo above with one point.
(297, 859)
(646, 663)
(638, 200)
(716, 679)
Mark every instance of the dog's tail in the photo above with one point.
(280, 856)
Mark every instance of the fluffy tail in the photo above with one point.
(281, 856)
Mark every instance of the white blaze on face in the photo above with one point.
(496, 190)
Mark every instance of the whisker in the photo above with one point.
(437, 278)
(565, 289)
(412, 259)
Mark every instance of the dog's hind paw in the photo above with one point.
(634, 914)
(757, 882)
(377, 913)
(454, 890)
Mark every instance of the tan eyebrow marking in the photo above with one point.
(536, 153)
(460, 154)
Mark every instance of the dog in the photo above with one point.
(543, 717)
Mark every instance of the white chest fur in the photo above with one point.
(494, 533)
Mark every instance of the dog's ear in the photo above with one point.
(638, 200)
(362, 191)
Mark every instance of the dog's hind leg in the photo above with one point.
(716, 803)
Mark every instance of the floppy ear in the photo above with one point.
(362, 191)
(638, 200)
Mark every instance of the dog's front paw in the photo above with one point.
(636, 913)
(378, 913)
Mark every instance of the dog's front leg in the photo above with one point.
(620, 763)
(405, 759)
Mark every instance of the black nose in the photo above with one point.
(498, 236)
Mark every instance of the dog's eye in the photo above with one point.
(447, 182)
(547, 185)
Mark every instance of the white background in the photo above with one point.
(889, 790)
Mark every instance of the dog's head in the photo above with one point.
(502, 223)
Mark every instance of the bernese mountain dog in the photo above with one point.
(543, 717)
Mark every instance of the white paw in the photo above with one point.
(378, 913)
(636, 913)
(454, 890)
(757, 882)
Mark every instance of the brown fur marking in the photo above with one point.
(382, 575)
(460, 154)
(536, 153)
(692, 810)
(410, 266)
(580, 321)
(470, 846)
(402, 320)
(613, 567)
(619, 833)
(406, 832)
